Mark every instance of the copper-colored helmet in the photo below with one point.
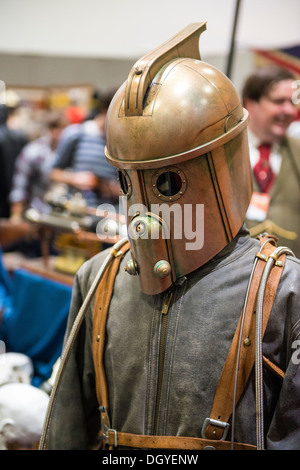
(176, 130)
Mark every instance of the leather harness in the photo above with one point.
(215, 427)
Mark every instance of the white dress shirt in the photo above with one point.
(275, 156)
(259, 203)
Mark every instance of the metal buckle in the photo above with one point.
(217, 423)
(106, 429)
(261, 256)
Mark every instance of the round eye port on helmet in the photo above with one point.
(125, 183)
(169, 184)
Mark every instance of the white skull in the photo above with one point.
(22, 413)
(15, 367)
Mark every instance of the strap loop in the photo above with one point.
(106, 429)
(215, 423)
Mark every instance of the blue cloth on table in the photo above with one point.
(36, 324)
(5, 288)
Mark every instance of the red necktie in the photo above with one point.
(262, 170)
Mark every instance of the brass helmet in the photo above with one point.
(176, 131)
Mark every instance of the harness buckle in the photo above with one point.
(261, 256)
(106, 428)
(216, 423)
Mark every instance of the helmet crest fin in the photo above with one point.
(183, 44)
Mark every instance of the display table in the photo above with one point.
(36, 324)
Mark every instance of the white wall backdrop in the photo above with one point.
(130, 28)
(96, 42)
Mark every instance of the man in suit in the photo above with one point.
(268, 96)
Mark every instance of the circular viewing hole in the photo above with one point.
(169, 183)
(124, 182)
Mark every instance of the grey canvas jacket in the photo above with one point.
(202, 318)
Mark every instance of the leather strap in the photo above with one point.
(102, 300)
(171, 442)
(224, 397)
(273, 367)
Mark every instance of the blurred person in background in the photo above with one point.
(11, 143)
(275, 156)
(81, 163)
(29, 185)
(32, 168)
